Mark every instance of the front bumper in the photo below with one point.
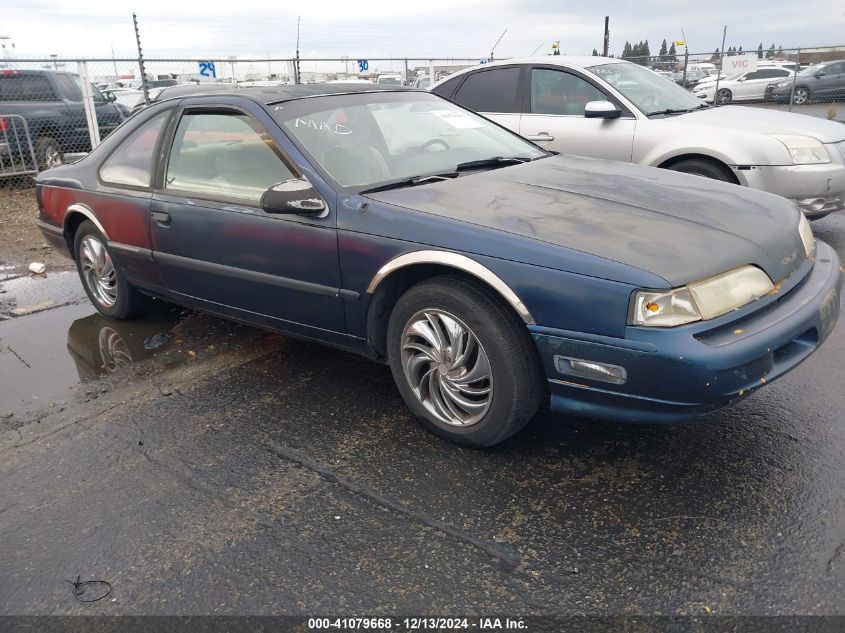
(818, 190)
(677, 373)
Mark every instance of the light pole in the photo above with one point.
(496, 44)
(54, 57)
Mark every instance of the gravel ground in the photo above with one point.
(21, 243)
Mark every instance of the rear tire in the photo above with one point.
(484, 382)
(703, 167)
(104, 283)
(48, 152)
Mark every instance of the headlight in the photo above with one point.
(804, 150)
(783, 84)
(806, 234)
(701, 300)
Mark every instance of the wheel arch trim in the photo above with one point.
(88, 213)
(458, 262)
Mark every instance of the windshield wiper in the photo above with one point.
(495, 161)
(410, 182)
(680, 110)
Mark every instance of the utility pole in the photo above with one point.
(141, 61)
(496, 44)
(721, 59)
(296, 64)
(606, 36)
(113, 61)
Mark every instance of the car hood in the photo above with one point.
(679, 227)
(765, 121)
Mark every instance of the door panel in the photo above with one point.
(277, 266)
(555, 118)
(213, 243)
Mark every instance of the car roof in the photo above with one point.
(268, 95)
(566, 61)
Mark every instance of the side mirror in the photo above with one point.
(741, 79)
(819, 74)
(601, 110)
(295, 196)
(110, 96)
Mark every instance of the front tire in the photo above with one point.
(705, 168)
(802, 95)
(463, 362)
(104, 283)
(724, 96)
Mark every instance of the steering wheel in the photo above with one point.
(421, 148)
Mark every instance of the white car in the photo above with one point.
(609, 108)
(747, 86)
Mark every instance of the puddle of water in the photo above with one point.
(43, 355)
(25, 295)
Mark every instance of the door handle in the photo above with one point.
(540, 136)
(160, 217)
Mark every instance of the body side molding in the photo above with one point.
(459, 262)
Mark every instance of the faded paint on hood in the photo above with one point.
(765, 121)
(679, 227)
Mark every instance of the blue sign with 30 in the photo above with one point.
(363, 65)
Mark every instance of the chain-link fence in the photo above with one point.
(808, 81)
(52, 110)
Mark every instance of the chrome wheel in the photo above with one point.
(113, 350)
(724, 96)
(446, 367)
(801, 96)
(53, 157)
(98, 271)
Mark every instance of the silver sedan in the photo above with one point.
(609, 108)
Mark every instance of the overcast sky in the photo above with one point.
(397, 28)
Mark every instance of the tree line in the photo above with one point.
(641, 53)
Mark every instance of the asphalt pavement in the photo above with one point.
(201, 467)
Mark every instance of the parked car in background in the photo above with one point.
(746, 86)
(127, 97)
(181, 90)
(51, 104)
(389, 80)
(423, 82)
(609, 108)
(489, 274)
(822, 81)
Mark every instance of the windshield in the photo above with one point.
(644, 89)
(365, 140)
(811, 70)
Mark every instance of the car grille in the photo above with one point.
(841, 147)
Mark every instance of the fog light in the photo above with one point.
(590, 369)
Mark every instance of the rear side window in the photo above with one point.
(223, 156)
(69, 87)
(26, 88)
(131, 164)
(490, 91)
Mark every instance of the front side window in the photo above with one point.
(559, 92)
(220, 155)
(490, 91)
(131, 164)
(366, 140)
(645, 89)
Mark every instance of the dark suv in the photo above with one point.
(51, 104)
